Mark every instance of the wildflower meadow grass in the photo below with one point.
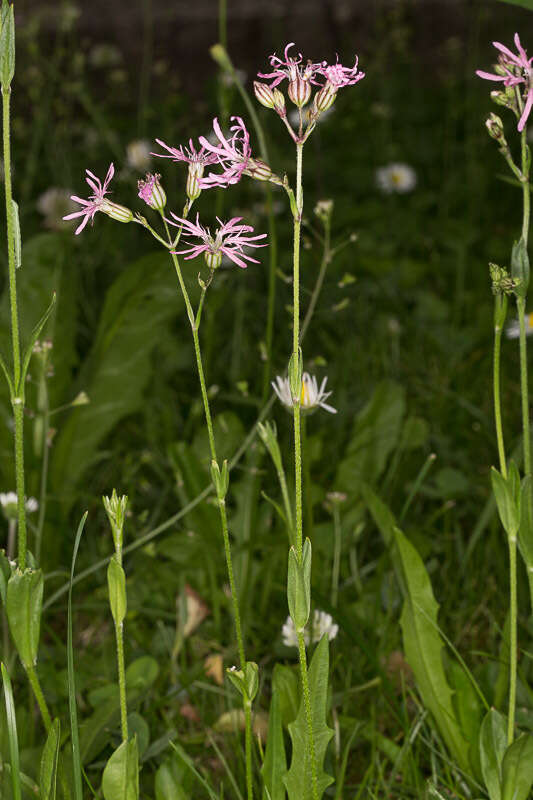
(265, 427)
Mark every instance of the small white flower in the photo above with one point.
(289, 635)
(311, 397)
(54, 204)
(396, 178)
(138, 155)
(31, 505)
(322, 624)
(513, 329)
(8, 501)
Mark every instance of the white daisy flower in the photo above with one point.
(138, 155)
(322, 624)
(8, 501)
(396, 178)
(311, 397)
(513, 329)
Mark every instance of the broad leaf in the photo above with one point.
(298, 778)
(120, 780)
(423, 649)
(517, 769)
(492, 745)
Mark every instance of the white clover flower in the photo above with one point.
(322, 624)
(396, 178)
(138, 155)
(311, 397)
(54, 204)
(512, 331)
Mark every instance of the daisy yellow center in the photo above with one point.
(304, 394)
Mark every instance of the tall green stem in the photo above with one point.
(526, 437)
(194, 322)
(499, 316)
(119, 635)
(298, 454)
(18, 398)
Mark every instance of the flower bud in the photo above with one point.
(494, 126)
(279, 102)
(505, 98)
(213, 260)
(194, 174)
(264, 94)
(151, 191)
(299, 91)
(116, 211)
(324, 98)
(259, 170)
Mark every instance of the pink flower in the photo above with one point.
(229, 240)
(338, 76)
(517, 70)
(190, 155)
(291, 68)
(95, 201)
(197, 160)
(151, 191)
(234, 156)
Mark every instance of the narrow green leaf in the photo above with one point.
(275, 763)
(492, 745)
(7, 375)
(116, 582)
(120, 780)
(33, 338)
(180, 752)
(522, 3)
(298, 591)
(5, 574)
(506, 503)
(7, 48)
(49, 759)
(517, 769)
(12, 734)
(74, 732)
(298, 779)
(23, 606)
(423, 648)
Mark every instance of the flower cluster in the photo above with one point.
(301, 77)
(514, 70)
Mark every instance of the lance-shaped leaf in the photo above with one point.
(492, 745)
(275, 762)
(116, 582)
(423, 648)
(299, 585)
(49, 759)
(298, 778)
(506, 501)
(24, 603)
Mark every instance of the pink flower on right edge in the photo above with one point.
(517, 69)
(229, 240)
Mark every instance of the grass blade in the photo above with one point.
(12, 735)
(74, 734)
